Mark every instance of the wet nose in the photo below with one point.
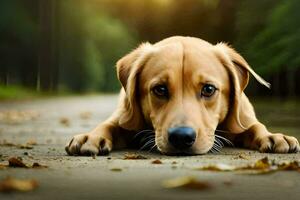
(181, 137)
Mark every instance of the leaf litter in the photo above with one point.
(116, 169)
(17, 162)
(28, 145)
(17, 117)
(65, 121)
(10, 184)
(243, 156)
(156, 161)
(133, 156)
(261, 166)
(186, 182)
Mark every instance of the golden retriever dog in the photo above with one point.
(189, 94)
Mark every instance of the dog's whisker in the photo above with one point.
(154, 146)
(146, 146)
(147, 131)
(211, 151)
(149, 136)
(146, 138)
(214, 149)
(150, 140)
(219, 142)
(221, 138)
(217, 147)
(149, 143)
(222, 131)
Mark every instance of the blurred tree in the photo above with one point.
(18, 30)
(212, 20)
(251, 18)
(48, 44)
(272, 45)
(91, 43)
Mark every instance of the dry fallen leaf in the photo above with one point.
(289, 166)
(7, 144)
(156, 162)
(85, 115)
(262, 164)
(38, 166)
(20, 146)
(133, 156)
(16, 162)
(3, 166)
(31, 142)
(186, 182)
(64, 121)
(11, 184)
(244, 156)
(24, 146)
(116, 169)
(217, 167)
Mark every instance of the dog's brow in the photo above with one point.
(159, 80)
(204, 79)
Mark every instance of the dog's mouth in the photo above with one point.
(145, 141)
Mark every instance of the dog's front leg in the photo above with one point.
(99, 141)
(259, 138)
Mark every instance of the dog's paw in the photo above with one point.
(277, 143)
(88, 144)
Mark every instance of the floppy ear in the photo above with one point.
(128, 70)
(237, 121)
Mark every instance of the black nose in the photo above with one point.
(181, 137)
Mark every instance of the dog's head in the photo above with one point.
(183, 88)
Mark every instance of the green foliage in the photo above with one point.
(91, 47)
(16, 92)
(272, 46)
(16, 19)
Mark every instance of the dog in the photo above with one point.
(190, 95)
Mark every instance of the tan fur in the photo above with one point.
(184, 64)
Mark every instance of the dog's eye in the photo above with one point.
(160, 91)
(208, 90)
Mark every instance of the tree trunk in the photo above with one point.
(3, 75)
(48, 65)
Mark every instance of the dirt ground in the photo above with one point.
(50, 123)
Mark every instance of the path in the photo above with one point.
(52, 122)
